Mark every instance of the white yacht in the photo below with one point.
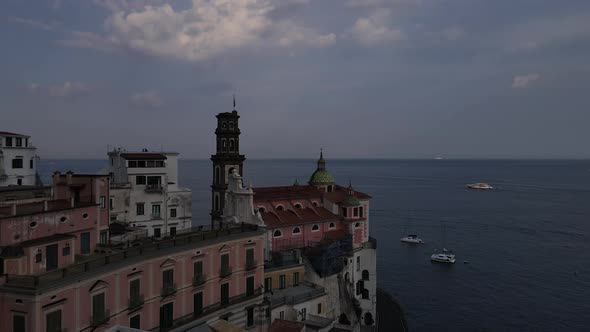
(412, 238)
(479, 186)
(444, 257)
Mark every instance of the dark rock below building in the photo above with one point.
(390, 313)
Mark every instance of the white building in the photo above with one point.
(18, 160)
(145, 192)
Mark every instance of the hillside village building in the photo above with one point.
(145, 192)
(18, 160)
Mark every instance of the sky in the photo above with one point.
(358, 78)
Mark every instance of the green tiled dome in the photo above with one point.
(321, 176)
(350, 200)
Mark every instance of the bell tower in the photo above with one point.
(226, 159)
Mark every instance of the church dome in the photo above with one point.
(350, 199)
(321, 176)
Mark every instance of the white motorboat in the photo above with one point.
(444, 257)
(479, 186)
(412, 238)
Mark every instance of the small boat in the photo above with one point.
(445, 257)
(412, 238)
(479, 186)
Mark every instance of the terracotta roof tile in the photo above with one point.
(286, 193)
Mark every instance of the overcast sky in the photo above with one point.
(360, 78)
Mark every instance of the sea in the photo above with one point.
(522, 249)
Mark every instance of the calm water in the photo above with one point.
(527, 243)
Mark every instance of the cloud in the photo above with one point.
(523, 81)
(376, 29)
(33, 24)
(65, 90)
(148, 99)
(206, 29)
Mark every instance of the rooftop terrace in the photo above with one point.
(294, 295)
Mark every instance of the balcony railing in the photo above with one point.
(73, 272)
(168, 289)
(135, 301)
(199, 279)
(224, 271)
(101, 318)
(250, 264)
(154, 188)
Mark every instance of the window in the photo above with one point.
(295, 278)
(31, 163)
(277, 233)
(166, 315)
(224, 293)
(173, 213)
(159, 163)
(132, 164)
(216, 203)
(111, 204)
(315, 228)
(139, 209)
(157, 232)
(224, 270)
(315, 204)
(303, 314)
(154, 181)
(65, 251)
(332, 225)
(231, 145)
(19, 142)
(296, 230)
(140, 180)
(135, 322)
(319, 308)
(357, 225)
(198, 303)
(168, 282)
(250, 259)
(355, 212)
(280, 208)
(134, 289)
(358, 263)
(38, 256)
(104, 235)
(98, 308)
(365, 275)
(103, 202)
(223, 144)
(329, 189)
(250, 286)
(53, 321)
(18, 323)
(141, 163)
(150, 164)
(155, 211)
(344, 212)
(217, 175)
(282, 315)
(19, 181)
(249, 317)
(261, 209)
(17, 163)
(8, 141)
(361, 212)
(298, 206)
(268, 284)
(26, 142)
(282, 281)
(172, 231)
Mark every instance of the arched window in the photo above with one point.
(296, 230)
(280, 207)
(297, 205)
(365, 274)
(231, 145)
(329, 189)
(217, 175)
(315, 228)
(277, 233)
(357, 225)
(315, 204)
(332, 225)
(261, 209)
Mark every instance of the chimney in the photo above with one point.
(69, 178)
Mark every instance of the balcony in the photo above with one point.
(100, 318)
(199, 279)
(156, 216)
(154, 188)
(168, 289)
(224, 271)
(135, 301)
(250, 265)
